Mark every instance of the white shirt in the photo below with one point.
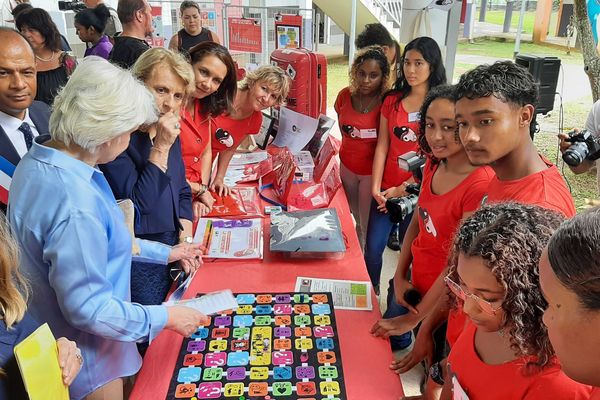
(593, 126)
(11, 126)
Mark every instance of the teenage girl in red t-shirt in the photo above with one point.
(451, 190)
(570, 280)
(265, 87)
(358, 107)
(422, 69)
(504, 352)
(215, 88)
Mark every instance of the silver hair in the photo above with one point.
(100, 102)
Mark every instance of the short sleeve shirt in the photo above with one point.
(546, 189)
(359, 134)
(403, 129)
(473, 379)
(439, 216)
(227, 132)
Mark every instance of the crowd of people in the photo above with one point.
(504, 273)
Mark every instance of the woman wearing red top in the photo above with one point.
(451, 190)
(358, 107)
(570, 279)
(422, 69)
(215, 89)
(504, 353)
(266, 87)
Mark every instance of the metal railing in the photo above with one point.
(391, 8)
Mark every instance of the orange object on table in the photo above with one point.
(365, 359)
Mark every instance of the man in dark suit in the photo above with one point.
(21, 118)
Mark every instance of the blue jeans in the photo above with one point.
(395, 310)
(378, 231)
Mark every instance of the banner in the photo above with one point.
(158, 34)
(245, 35)
(288, 31)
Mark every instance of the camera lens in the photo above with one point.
(576, 153)
(400, 207)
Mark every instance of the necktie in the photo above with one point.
(27, 134)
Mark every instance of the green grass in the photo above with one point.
(497, 17)
(337, 79)
(505, 49)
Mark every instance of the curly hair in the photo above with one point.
(574, 254)
(510, 237)
(439, 92)
(370, 53)
(505, 80)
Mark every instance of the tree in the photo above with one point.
(591, 60)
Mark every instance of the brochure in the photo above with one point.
(347, 295)
(231, 238)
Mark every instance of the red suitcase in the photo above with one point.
(308, 70)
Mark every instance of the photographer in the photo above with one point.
(592, 125)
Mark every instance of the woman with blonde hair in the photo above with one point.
(265, 87)
(76, 248)
(16, 324)
(151, 173)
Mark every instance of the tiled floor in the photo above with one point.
(411, 380)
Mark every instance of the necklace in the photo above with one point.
(46, 59)
(365, 109)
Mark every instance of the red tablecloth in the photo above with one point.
(365, 359)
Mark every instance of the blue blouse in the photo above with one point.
(160, 198)
(76, 253)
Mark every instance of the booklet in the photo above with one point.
(211, 303)
(347, 295)
(37, 357)
(231, 238)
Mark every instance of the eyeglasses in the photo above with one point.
(459, 292)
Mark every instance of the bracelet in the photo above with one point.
(203, 189)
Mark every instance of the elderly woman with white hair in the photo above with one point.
(76, 247)
(151, 172)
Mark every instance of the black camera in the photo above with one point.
(400, 207)
(585, 147)
(71, 5)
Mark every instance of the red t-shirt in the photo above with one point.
(359, 134)
(506, 381)
(194, 139)
(457, 320)
(227, 132)
(403, 129)
(595, 393)
(439, 216)
(546, 189)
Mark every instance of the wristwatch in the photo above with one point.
(436, 375)
(188, 239)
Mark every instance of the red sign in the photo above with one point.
(288, 31)
(245, 35)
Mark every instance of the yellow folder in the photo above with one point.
(37, 357)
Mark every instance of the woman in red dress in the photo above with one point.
(215, 90)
